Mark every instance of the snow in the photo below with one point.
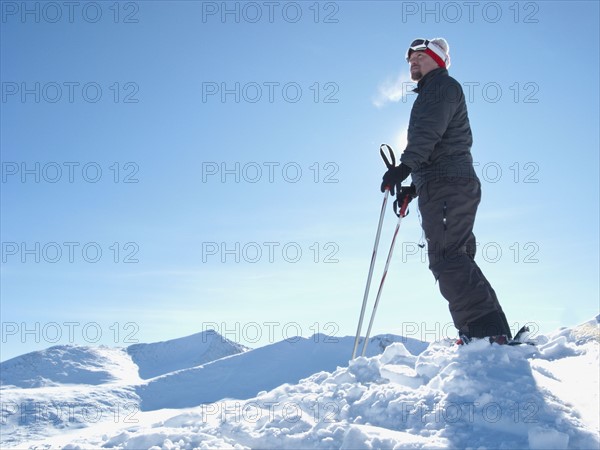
(304, 393)
(542, 439)
(245, 375)
(67, 364)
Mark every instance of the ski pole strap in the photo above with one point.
(391, 162)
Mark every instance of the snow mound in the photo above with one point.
(64, 364)
(160, 358)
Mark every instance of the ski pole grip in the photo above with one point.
(391, 162)
(404, 206)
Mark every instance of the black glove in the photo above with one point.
(395, 176)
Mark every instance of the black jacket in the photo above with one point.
(439, 134)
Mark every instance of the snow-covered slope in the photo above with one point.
(479, 396)
(243, 376)
(51, 392)
(190, 351)
(67, 364)
(68, 387)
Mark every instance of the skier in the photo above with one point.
(438, 156)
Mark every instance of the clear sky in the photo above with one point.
(169, 167)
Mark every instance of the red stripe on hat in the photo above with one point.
(440, 62)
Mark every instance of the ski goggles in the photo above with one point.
(424, 45)
(418, 45)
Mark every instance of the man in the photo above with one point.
(438, 156)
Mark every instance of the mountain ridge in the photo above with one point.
(83, 364)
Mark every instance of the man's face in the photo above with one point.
(420, 65)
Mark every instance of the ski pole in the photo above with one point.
(391, 162)
(401, 215)
(373, 257)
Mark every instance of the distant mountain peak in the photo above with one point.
(159, 358)
(63, 364)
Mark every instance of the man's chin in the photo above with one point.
(416, 76)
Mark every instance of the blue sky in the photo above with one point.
(169, 167)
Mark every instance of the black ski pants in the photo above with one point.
(448, 207)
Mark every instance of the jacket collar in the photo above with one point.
(428, 77)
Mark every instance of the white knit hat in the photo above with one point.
(442, 44)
